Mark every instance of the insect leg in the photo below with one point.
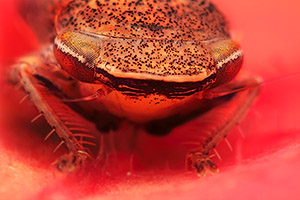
(68, 124)
(241, 95)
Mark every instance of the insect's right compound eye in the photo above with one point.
(228, 59)
(76, 53)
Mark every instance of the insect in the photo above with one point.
(152, 64)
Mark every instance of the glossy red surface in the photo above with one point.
(263, 165)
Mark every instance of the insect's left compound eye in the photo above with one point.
(76, 53)
(228, 59)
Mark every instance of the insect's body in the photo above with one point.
(154, 56)
(145, 61)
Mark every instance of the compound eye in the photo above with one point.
(77, 52)
(228, 59)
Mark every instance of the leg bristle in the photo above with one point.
(240, 131)
(217, 154)
(58, 146)
(36, 118)
(87, 98)
(24, 98)
(49, 134)
(228, 144)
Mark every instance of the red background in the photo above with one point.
(263, 165)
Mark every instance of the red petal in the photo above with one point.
(265, 162)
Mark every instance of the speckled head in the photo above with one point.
(137, 43)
